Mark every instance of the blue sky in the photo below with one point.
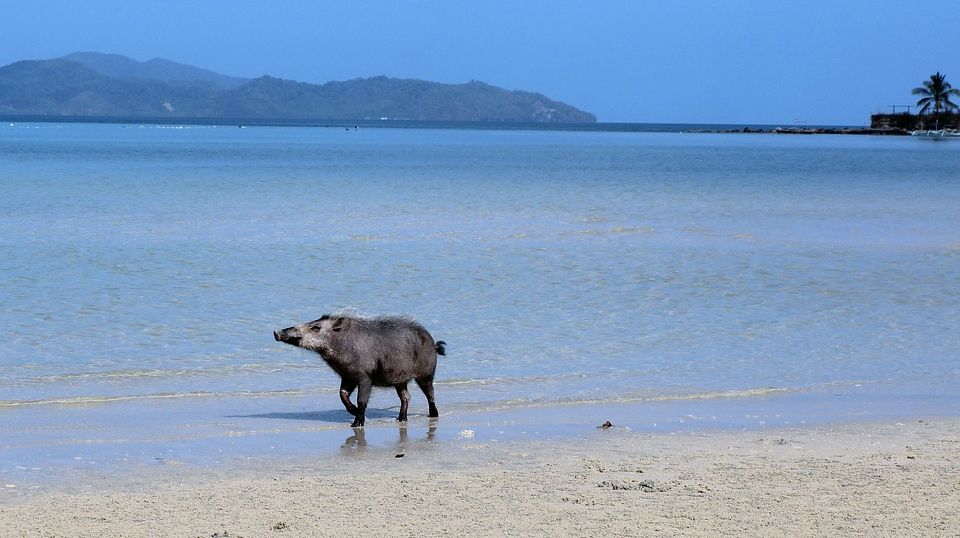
(727, 61)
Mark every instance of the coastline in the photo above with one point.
(91, 447)
(880, 478)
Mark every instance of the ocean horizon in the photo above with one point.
(392, 123)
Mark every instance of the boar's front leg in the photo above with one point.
(346, 389)
(365, 385)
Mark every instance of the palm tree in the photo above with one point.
(936, 92)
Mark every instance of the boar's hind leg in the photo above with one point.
(404, 395)
(426, 385)
(346, 389)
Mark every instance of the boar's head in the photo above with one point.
(317, 335)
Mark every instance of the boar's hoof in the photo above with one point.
(361, 415)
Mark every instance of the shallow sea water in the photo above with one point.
(692, 280)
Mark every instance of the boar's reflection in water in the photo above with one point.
(383, 351)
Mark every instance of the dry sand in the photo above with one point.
(876, 479)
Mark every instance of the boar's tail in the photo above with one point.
(440, 349)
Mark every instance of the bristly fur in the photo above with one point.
(392, 320)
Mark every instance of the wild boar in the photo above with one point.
(382, 351)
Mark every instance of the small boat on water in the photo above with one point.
(936, 133)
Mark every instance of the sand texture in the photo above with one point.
(891, 479)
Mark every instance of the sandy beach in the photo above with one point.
(860, 479)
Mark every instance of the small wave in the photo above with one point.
(520, 403)
(135, 374)
(101, 399)
(374, 237)
(616, 230)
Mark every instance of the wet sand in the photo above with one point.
(895, 478)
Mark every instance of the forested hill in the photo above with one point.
(101, 85)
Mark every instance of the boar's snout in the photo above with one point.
(288, 336)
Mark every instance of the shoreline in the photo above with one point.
(88, 448)
(79, 447)
(879, 478)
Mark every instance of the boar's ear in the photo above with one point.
(338, 324)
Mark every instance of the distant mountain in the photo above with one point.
(66, 88)
(107, 85)
(117, 66)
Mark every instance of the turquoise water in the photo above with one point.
(685, 276)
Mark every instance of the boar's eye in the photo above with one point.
(316, 328)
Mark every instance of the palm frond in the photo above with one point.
(936, 92)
